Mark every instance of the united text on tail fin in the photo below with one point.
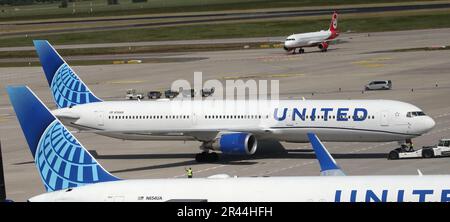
(67, 88)
(61, 160)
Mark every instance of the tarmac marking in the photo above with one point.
(311, 162)
(372, 63)
(16, 76)
(279, 58)
(125, 81)
(286, 75)
(368, 64)
(442, 115)
(287, 168)
(203, 170)
(438, 131)
(442, 122)
(4, 117)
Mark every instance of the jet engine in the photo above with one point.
(233, 144)
(323, 46)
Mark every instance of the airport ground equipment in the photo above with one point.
(207, 92)
(170, 94)
(441, 149)
(154, 94)
(132, 94)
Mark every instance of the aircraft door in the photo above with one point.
(100, 118)
(193, 118)
(384, 121)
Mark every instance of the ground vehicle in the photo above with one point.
(131, 94)
(442, 149)
(207, 92)
(154, 94)
(379, 84)
(188, 92)
(170, 93)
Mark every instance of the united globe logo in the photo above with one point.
(68, 89)
(62, 161)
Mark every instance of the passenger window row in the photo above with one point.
(222, 117)
(334, 117)
(236, 116)
(151, 117)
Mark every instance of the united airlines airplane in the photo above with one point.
(229, 126)
(320, 39)
(70, 173)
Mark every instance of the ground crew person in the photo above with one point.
(410, 145)
(189, 172)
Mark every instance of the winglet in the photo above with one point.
(67, 88)
(328, 166)
(62, 161)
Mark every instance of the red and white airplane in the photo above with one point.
(312, 39)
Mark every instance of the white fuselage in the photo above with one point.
(284, 120)
(264, 189)
(307, 39)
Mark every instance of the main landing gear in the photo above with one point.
(207, 157)
(300, 51)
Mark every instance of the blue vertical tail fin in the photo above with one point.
(67, 88)
(61, 160)
(328, 166)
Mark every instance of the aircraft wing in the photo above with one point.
(315, 42)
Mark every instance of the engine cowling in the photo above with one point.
(323, 46)
(234, 144)
(287, 49)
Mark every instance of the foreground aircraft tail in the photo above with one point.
(61, 160)
(334, 23)
(328, 166)
(67, 88)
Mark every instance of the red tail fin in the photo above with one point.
(334, 20)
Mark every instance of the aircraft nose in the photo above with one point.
(431, 123)
(427, 124)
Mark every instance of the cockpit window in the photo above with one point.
(444, 143)
(413, 114)
(290, 39)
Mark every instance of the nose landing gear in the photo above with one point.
(405, 150)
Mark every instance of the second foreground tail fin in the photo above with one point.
(67, 88)
(61, 160)
(328, 166)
